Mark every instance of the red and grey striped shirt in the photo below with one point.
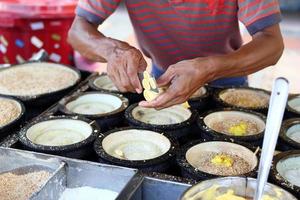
(169, 31)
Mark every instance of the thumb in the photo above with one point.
(166, 78)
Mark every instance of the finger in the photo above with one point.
(167, 77)
(175, 101)
(115, 76)
(116, 80)
(159, 101)
(132, 70)
(125, 79)
(134, 79)
(142, 65)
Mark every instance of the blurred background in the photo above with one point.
(27, 26)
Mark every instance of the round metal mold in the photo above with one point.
(104, 84)
(220, 95)
(81, 149)
(107, 144)
(14, 124)
(207, 132)
(200, 100)
(113, 117)
(187, 157)
(46, 99)
(241, 186)
(177, 130)
(285, 171)
(293, 106)
(289, 138)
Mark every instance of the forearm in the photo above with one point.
(264, 50)
(89, 42)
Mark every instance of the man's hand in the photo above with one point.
(123, 66)
(124, 61)
(183, 78)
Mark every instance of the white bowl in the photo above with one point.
(12, 108)
(200, 92)
(289, 169)
(234, 117)
(295, 103)
(257, 97)
(167, 116)
(241, 186)
(136, 144)
(192, 155)
(94, 104)
(32, 79)
(294, 133)
(104, 82)
(59, 132)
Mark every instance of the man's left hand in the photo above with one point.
(183, 78)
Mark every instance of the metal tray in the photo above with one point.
(129, 183)
(150, 188)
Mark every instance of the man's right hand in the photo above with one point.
(123, 65)
(124, 61)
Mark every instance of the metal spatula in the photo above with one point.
(276, 110)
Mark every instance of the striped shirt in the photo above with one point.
(169, 31)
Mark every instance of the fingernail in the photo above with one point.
(142, 103)
(139, 91)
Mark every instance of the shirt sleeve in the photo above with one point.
(257, 15)
(96, 11)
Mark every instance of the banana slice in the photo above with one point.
(149, 84)
(146, 75)
(146, 84)
(152, 83)
(149, 95)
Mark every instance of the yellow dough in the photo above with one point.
(239, 129)
(224, 160)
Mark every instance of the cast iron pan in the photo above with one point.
(15, 124)
(132, 97)
(47, 99)
(201, 103)
(220, 103)
(178, 131)
(209, 134)
(188, 171)
(159, 164)
(287, 143)
(78, 150)
(105, 121)
(278, 179)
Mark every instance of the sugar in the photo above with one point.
(83, 193)
(21, 187)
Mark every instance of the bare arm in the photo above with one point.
(124, 61)
(264, 50)
(185, 77)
